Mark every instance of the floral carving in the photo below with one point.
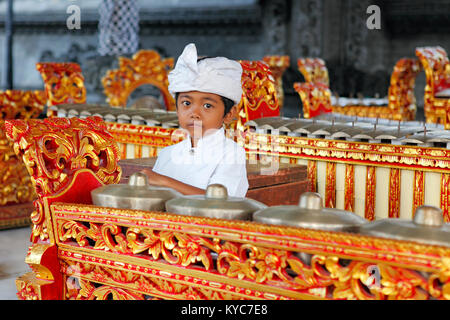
(16, 186)
(145, 67)
(259, 97)
(278, 64)
(54, 149)
(83, 283)
(64, 82)
(401, 102)
(436, 64)
(327, 276)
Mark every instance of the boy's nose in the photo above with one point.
(195, 113)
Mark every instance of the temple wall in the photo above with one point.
(359, 60)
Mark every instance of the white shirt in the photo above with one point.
(216, 159)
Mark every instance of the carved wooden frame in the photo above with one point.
(145, 67)
(16, 190)
(63, 83)
(437, 68)
(91, 252)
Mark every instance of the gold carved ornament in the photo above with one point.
(435, 62)
(145, 67)
(18, 104)
(278, 64)
(312, 175)
(314, 92)
(16, 186)
(330, 185)
(402, 102)
(445, 189)
(401, 99)
(54, 149)
(325, 275)
(314, 70)
(63, 82)
(349, 188)
(394, 193)
(369, 207)
(85, 281)
(259, 99)
(315, 97)
(327, 278)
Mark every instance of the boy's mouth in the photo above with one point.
(195, 124)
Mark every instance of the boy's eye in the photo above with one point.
(185, 103)
(207, 106)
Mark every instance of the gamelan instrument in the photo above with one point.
(376, 168)
(81, 250)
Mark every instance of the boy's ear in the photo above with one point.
(231, 115)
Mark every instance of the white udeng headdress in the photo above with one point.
(219, 75)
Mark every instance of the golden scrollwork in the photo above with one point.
(87, 282)
(259, 97)
(439, 282)
(278, 64)
(338, 280)
(26, 288)
(330, 185)
(314, 70)
(349, 188)
(369, 212)
(445, 180)
(376, 154)
(312, 175)
(394, 192)
(205, 250)
(54, 149)
(63, 82)
(16, 185)
(418, 190)
(145, 67)
(174, 247)
(316, 98)
(401, 100)
(16, 188)
(18, 104)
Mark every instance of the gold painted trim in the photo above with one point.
(418, 190)
(119, 262)
(369, 212)
(279, 237)
(330, 185)
(394, 193)
(349, 189)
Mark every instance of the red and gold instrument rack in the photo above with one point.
(82, 251)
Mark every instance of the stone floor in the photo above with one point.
(14, 245)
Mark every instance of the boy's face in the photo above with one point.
(199, 112)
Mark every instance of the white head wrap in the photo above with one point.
(219, 75)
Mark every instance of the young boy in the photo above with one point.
(207, 92)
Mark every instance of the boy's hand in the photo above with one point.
(160, 180)
(154, 178)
